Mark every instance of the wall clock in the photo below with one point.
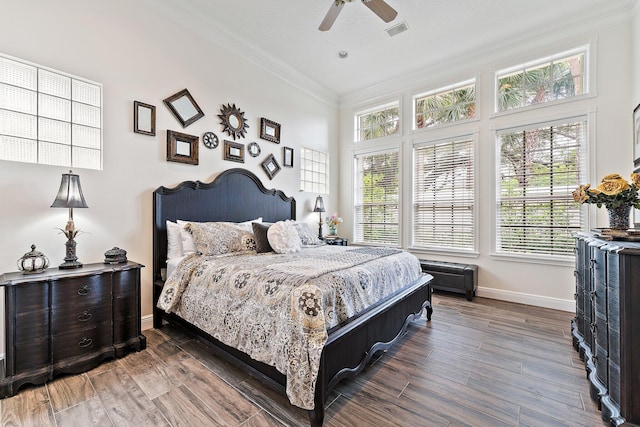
(210, 140)
(254, 149)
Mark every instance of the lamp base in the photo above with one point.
(71, 260)
(69, 265)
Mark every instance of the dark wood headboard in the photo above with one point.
(234, 195)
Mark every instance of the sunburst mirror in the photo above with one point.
(235, 125)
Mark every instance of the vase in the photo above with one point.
(619, 217)
(333, 231)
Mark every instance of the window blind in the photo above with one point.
(539, 168)
(444, 195)
(377, 198)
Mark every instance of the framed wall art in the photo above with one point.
(269, 130)
(182, 148)
(184, 107)
(271, 166)
(636, 136)
(234, 151)
(144, 118)
(287, 159)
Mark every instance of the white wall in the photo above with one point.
(139, 54)
(531, 283)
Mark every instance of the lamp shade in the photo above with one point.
(319, 205)
(70, 193)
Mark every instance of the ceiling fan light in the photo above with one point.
(397, 29)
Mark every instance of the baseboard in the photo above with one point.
(529, 299)
(147, 322)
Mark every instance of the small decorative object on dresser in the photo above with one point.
(70, 196)
(33, 262)
(336, 241)
(332, 222)
(68, 321)
(115, 256)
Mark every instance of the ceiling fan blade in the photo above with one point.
(331, 16)
(382, 9)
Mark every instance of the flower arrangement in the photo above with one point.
(333, 220)
(612, 192)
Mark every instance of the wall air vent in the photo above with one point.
(397, 29)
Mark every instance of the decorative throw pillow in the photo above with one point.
(188, 246)
(260, 235)
(283, 237)
(215, 238)
(174, 240)
(307, 236)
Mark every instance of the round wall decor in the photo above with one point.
(254, 149)
(235, 125)
(210, 140)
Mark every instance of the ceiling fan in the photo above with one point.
(379, 7)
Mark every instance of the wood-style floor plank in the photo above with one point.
(479, 363)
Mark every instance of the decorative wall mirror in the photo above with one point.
(184, 107)
(182, 148)
(234, 151)
(235, 125)
(144, 118)
(271, 166)
(254, 149)
(287, 157)
(269, 130)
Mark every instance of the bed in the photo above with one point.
(237, 195)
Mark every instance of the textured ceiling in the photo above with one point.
(284, 33)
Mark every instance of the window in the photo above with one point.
(381, 121)
(546, 80)
(539, 167)
(377, 198)
(314, 170)
(49, 117)
(445, 105)
(444, 196)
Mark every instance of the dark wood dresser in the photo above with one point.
(606, 329)
(68, 321)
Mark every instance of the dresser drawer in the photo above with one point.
(31, 354)
(82, 342)
(32, 325)
(614, 346)
(602, 364)
(81, 316)
(125, 329)
(602, 333)
(31, 297)
(614, 382)
(79, 290)
(126, 282)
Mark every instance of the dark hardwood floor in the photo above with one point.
(480, 363)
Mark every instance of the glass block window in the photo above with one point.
(539, 167)
(549, 79)
(383, 120)
(444, 195)
(49, 117)
(445, 105)
(377, 198)
(314, 171)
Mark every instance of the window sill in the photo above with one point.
(444, 251)
(568, 261)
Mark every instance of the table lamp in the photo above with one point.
(70, 196)
(319, 208)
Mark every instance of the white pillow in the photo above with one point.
(174, 240)
(188, 245)
(308, 237)
(283, 237)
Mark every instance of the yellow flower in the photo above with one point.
(580, 194)
(611, 185)
(635, 179)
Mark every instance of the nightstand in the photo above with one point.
(68, 321)
(337, 241)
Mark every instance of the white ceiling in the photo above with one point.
(283, 35)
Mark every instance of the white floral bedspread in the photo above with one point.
(277, 308)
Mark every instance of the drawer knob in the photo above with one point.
(592, 294)
(84, 290)
(85, 342)
(84, 316)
